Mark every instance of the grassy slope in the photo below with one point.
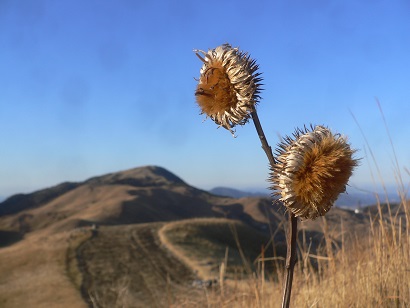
(368, 269)
(360, 264)
(128, 266)
(154, 264)
(205, 243)
(33, 274)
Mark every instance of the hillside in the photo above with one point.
(135, 230)
(236, 193)
(140, 195)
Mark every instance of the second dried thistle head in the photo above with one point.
(312, 169)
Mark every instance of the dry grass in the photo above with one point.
(370, 270)
(349, 269)
(204, 244)
(33, 274)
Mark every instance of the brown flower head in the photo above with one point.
(311, 171)
(228, 87)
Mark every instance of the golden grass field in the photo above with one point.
(344, 260)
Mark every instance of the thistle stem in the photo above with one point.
(293, 222)
(261, 134)
(290, 259)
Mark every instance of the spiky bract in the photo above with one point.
(312, 169)
(228, 87)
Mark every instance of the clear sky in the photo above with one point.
(91, 87)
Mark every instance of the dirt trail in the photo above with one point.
(127, 266)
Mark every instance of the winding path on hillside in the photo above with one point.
(127, 265)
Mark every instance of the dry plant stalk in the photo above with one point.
(309, 172)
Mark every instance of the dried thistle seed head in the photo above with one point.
(311, 171)
(228, 87)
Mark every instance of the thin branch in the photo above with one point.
(261, 134)
(293, 222)
(290, 259)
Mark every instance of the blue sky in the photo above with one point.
(91, 87)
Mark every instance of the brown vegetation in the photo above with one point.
(146, 248)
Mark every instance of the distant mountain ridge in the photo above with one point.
(19, 202)
(140, 177)
(139, 195)
(147, 177)
(346, 200)
(235, 193)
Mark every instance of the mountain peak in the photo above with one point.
(140, 176)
